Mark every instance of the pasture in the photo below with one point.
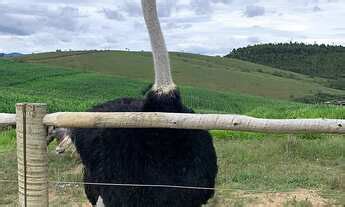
(250, 164)
(213, 73)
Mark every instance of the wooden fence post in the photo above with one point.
(32, 155)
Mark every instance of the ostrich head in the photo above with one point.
(163, 81)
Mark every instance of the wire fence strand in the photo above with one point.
(128, 185)
(77, 183)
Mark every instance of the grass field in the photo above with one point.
(68, 90)
(250, 164)
(256, 165)
(213, 73)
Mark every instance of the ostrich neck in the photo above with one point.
(163, 80)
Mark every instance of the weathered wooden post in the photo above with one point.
(32, 155)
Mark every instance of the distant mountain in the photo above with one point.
(11, 55)
(324, 61)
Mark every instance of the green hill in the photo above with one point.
(248, 162)
(315, 60)
(212, 73)
(69, 90)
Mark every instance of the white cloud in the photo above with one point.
(201, 26)
(254, 11)
(113, 14)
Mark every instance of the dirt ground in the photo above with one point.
(300, 197)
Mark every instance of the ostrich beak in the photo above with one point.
(63, 145)
(59, 150)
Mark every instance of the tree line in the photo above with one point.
(315, 60)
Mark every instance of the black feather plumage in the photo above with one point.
(147, 156)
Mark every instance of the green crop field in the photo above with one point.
(250, 164)
(213, 73)
(69, 90)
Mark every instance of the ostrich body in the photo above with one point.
(178, 157)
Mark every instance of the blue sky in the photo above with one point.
(212, 27)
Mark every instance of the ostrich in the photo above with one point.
(63, 138)
(148, 156)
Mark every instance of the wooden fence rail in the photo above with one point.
(32, 121)
(7, 120)
(192, 121)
